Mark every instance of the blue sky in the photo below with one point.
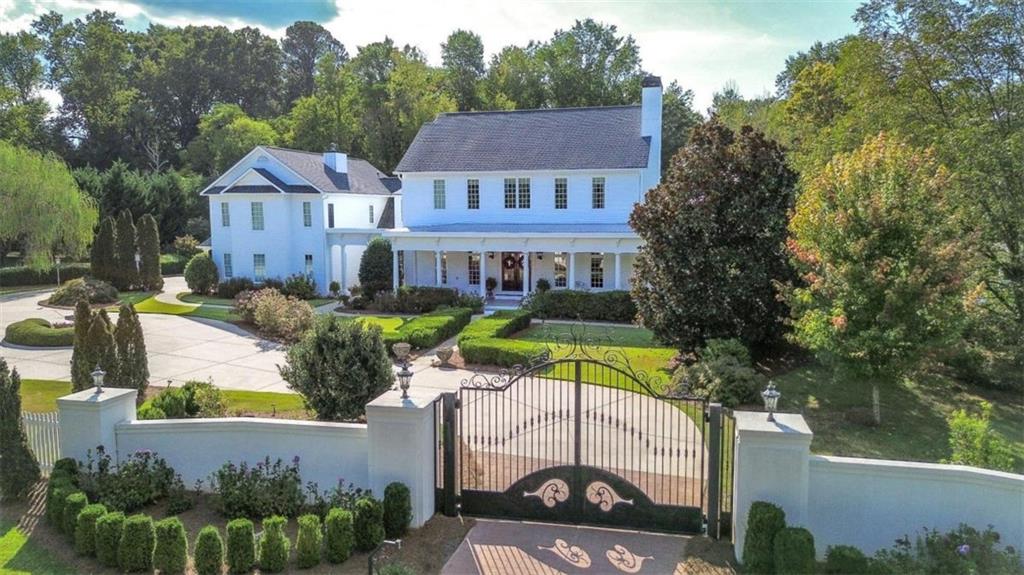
(701, 43)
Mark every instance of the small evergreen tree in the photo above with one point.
(80, 364)
(19, 470)
(149, 250)
(125, 274)
(201, 274)
(101, 260)
(375, 267)
(101, 350)
(133, 366)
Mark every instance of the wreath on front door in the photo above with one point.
(511, 261)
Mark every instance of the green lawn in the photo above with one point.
(214, 300)
(40, 395)
(385, 322)
(152, 305)
(19, 555)
(914, 414)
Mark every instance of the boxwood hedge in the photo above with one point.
(615, 306)
(430, 329)
(485, 341)
(37, 332)
(26, 276)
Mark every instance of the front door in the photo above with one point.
(511, 271)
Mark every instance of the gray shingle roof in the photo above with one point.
(556, 139)
(362, 176)
(511, 228)
(387, 217)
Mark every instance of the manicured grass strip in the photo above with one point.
(40, 395)
(214, 300)
(19, 555)
(152, 305)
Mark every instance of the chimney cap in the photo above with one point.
(651, 81)
(332, 147)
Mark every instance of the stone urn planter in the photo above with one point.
(444, 355)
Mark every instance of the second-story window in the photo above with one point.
(524, 193)
(330, 215)
(473, 194)
(439, 199)
(371, 213)
(307, 214)
(561, 193)
(598, 194)
(257, 215)
(225, 214)
(510, 193)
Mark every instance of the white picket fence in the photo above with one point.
(43, 430)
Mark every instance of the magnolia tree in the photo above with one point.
(714, 235)
(876, 241)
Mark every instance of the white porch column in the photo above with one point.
(526, 274)
(483, 274)
(572, 270)
(437, 268)
(394, 267)
(618, 270)
(342, 281)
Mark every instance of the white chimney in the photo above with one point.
(650, 126)
(337, 161)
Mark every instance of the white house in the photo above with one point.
(279, 212)
(527, 194)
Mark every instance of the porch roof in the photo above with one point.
(512, 229)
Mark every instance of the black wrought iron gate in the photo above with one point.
(581, 441)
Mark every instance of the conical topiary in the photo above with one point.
(126, 276)
(101, 350)
(133, 366)
(20, 470)
(148, 234)
(101, 257)
(81, 366)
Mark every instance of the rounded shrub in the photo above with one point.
(339, 536)
(201, 274)
(88, 289)
(37, 332)
(763, 522)
(274, 545)
(209, 558)
(397, 509)
(108, 538)
(65, 467)
(241, 546)
(368, 524)
(56, 496)
(85, 529)
(794, 551)
(171, 552)
(73, 505)
(844, 560)
(135, 552)
(308, 541)
(149, 412)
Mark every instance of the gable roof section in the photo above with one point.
(556, 139)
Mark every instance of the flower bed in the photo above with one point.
(429, 329)
(37, 332)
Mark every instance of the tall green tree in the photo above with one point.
(877, 242)
(44, 213)
(253, 71)
(590, 64)
(677, 121)
(20, 470)
(462, 55)
(515, 79)
(103, 262)
(329, 116)
(225, 135)
(714, 235)
(149, 252)
(23, 111)
(304, 45)
(126, 273)
(81, 366)
(375, 267)
(100, 349)
(133, 366)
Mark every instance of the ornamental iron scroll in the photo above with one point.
(601, 494)
(551, 492)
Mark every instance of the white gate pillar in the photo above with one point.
(88, 419)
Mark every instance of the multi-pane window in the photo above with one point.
(371, 213)
(257, 215)
(598, 193)
(561, 272)
(561, 193)
(524, 193)
(330, 215)
(307, 214)
(309, 264)
(474, 269)
(597, 270)
(444, 269)
(259, 267)
(228, 269)
(510, 193)
(473, 194)
(439, 199)
(225, 214)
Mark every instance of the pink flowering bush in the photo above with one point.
(275, 315)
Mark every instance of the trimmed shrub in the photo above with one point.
(201, 274)
(430, 329)
(241, 546)
(794, 551)
(615, 306)
(368, 524)
(543, 285)
(763, 523)
(37, 332)
(209, 557)
(148, 238)
(230, 288)
(375, 267)
(56, 496)
(91, 290)
(500, 324)
(844, 560)
(194, 399)
(299, 286)
(108, 538)
(340, 535)
(65, 467)
(73, 505)
(248, 491)
(135, 551)
(85, 529)
(308, 542)
(415, 299)
(716, 348)
(397, 509)
(147, 412)
(17, 276)
(485, 340)
(171, 552)
(274, 545)
(722, 379)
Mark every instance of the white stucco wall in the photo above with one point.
(198, 447)
(869, 503)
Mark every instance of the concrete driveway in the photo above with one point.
(179, 348)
